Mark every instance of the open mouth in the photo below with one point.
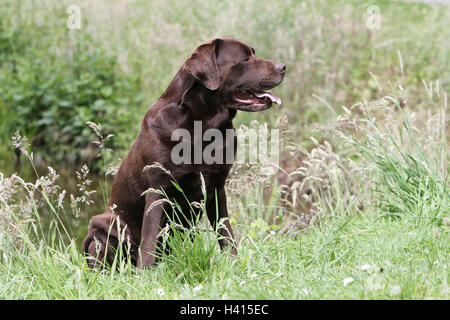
(253, 101)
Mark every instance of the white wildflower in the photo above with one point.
(198, 288)
(394, 290)
(365, 267)
(347, 281)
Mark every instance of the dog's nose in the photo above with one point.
(281, 67)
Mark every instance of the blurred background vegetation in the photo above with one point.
(53, 79)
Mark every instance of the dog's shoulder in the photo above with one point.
(164, 117)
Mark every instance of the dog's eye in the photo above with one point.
(246, 59)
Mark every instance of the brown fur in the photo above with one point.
(201, 90)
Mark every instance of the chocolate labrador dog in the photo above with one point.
(221, 77)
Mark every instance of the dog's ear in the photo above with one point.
(202, 64)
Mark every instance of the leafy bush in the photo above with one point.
(51, 94)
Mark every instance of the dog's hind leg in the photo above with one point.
(100, 249)
(104, 240)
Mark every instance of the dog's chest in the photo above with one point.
(203, 178)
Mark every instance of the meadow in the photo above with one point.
(358, 208)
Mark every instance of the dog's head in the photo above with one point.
(231, 68)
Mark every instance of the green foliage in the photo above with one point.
(408, 183)
(50, 95)
(194, 257)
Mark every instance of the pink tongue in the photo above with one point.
(272, 97)
(246, 101)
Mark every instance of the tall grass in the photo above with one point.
(410, 163)
(408, 183)
(399, 179)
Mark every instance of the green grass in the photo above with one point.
(408, 260)
(394, 247)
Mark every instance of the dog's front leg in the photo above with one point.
(217, 210)
(152, 222)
